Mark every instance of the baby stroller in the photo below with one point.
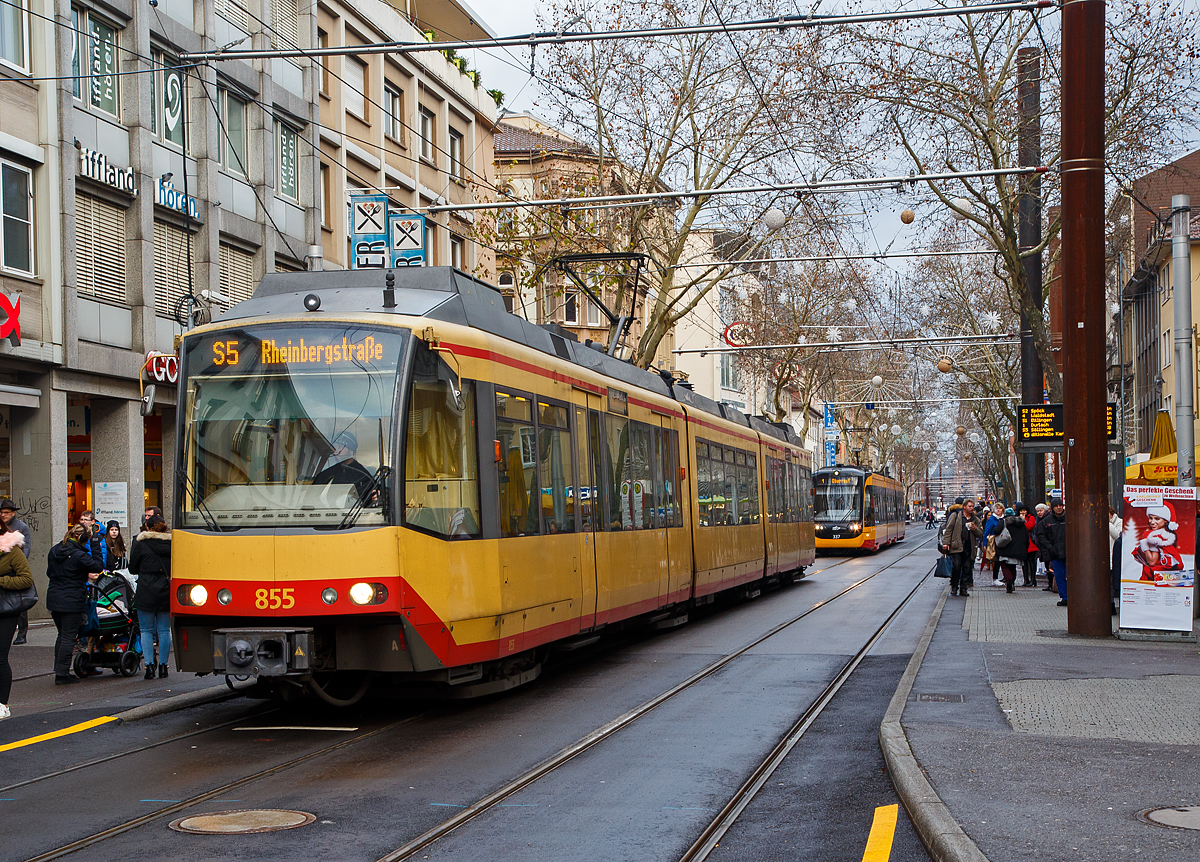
(110, 629)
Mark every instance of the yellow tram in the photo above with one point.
(856, 508)
(413, 486)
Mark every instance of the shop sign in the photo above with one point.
(369, 232)
(10, 324)
(1158, 558)
(165, 195)
(163, 367)
(95, 165)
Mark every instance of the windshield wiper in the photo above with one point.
(210, 520)
(380, 477)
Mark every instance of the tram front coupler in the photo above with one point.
(262, 652)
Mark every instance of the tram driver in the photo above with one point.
(342, 468)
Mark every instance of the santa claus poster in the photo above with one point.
(1158, 554)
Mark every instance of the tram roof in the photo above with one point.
(447, 294)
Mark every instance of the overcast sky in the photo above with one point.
(508, 70)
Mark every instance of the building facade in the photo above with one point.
(133, 184)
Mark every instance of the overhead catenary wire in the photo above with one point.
(783, 22)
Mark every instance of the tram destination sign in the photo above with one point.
(1043, 423)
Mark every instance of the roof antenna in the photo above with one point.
(389, 292)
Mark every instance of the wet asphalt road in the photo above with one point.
(645, 793)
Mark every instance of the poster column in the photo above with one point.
(1158, 558)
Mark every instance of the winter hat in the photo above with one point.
(1009, 511)
(1167, 512)
(112, 524)
(958, 501)
(1018, 506)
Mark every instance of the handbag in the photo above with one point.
(1004, 539)
(15, 601)
(990, 553)
(943, 567)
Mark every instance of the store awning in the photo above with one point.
(1163, 441)
(1157, 471)
(20, 396)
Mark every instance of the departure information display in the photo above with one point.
(1042, 423)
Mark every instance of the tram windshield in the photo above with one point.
(838, 499)
(289, 426)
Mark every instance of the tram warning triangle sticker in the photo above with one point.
(298, 651)
(216, 652)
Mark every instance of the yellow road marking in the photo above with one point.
(883, 830)
(66, 731)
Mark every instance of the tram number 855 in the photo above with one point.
(274, 599)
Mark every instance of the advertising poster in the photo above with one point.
(110, 503)
(1158, 557)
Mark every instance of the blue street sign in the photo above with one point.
(369, 232)
(407, 239)
(830, 452)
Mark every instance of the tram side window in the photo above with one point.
(517, 466)
(704, 494)
(441, 465)
(870, 515)
(795, 504)
(753, 512)
(631, 486)
(557, 489)
(663, 480)
(806, 495)
(585, 490)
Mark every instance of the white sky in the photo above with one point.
(499, 68)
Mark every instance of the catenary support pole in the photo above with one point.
(1181, 280)
(1029, 235)
(1085, 452)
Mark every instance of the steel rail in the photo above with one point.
(783, 22)
(572, 751)
(129, 825)
(715, 831)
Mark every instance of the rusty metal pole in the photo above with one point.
(1029, 235)
(1085, 452)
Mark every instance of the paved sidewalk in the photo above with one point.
(35, 694)
(1044, 746)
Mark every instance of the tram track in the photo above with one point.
(488, 802)
(744, 794)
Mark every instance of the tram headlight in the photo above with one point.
(329, 595)
(198, 595)
(856, 526)
(362, 593)
(224, 596)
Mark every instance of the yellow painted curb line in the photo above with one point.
(66, 731)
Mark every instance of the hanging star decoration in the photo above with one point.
(924, 309)
(989, 320)
(833, 333)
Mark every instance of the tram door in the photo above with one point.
(587, 494)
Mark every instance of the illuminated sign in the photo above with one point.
(95, 165)
(367, 350)
(1044, 422)
(10, 326)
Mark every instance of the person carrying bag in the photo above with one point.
(16, 595)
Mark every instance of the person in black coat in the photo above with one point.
(150, 560)
(68, 568)
(1052, 545)
(1011, 555)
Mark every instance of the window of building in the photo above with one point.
(233, 127)
(356, 87)
(16, 210)
(430, 243)
(326, 77)
(1166, 347)
(100, 249)
(393, 113)
(571, 308)
(94, 49)
(441, 466)
(456, 154)
(286, 23)
(593, 312)
(729, 374)
(166, 99)
(237, 273)
(170, 268)
(14, 37)
(428, 140)
(456, 252)
(233, 12)
(326, 197)
(289, 144)
(1169, 405)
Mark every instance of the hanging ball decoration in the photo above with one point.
(896, 429)
(962, 209)
(773, 219)
(876, 381)
(974, 437)
(945, 365)
(908, 216)
(960, 430)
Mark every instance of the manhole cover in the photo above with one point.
(1175, 817)
(929, 697)
(242, 822)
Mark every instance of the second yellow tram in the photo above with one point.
(856, 508)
